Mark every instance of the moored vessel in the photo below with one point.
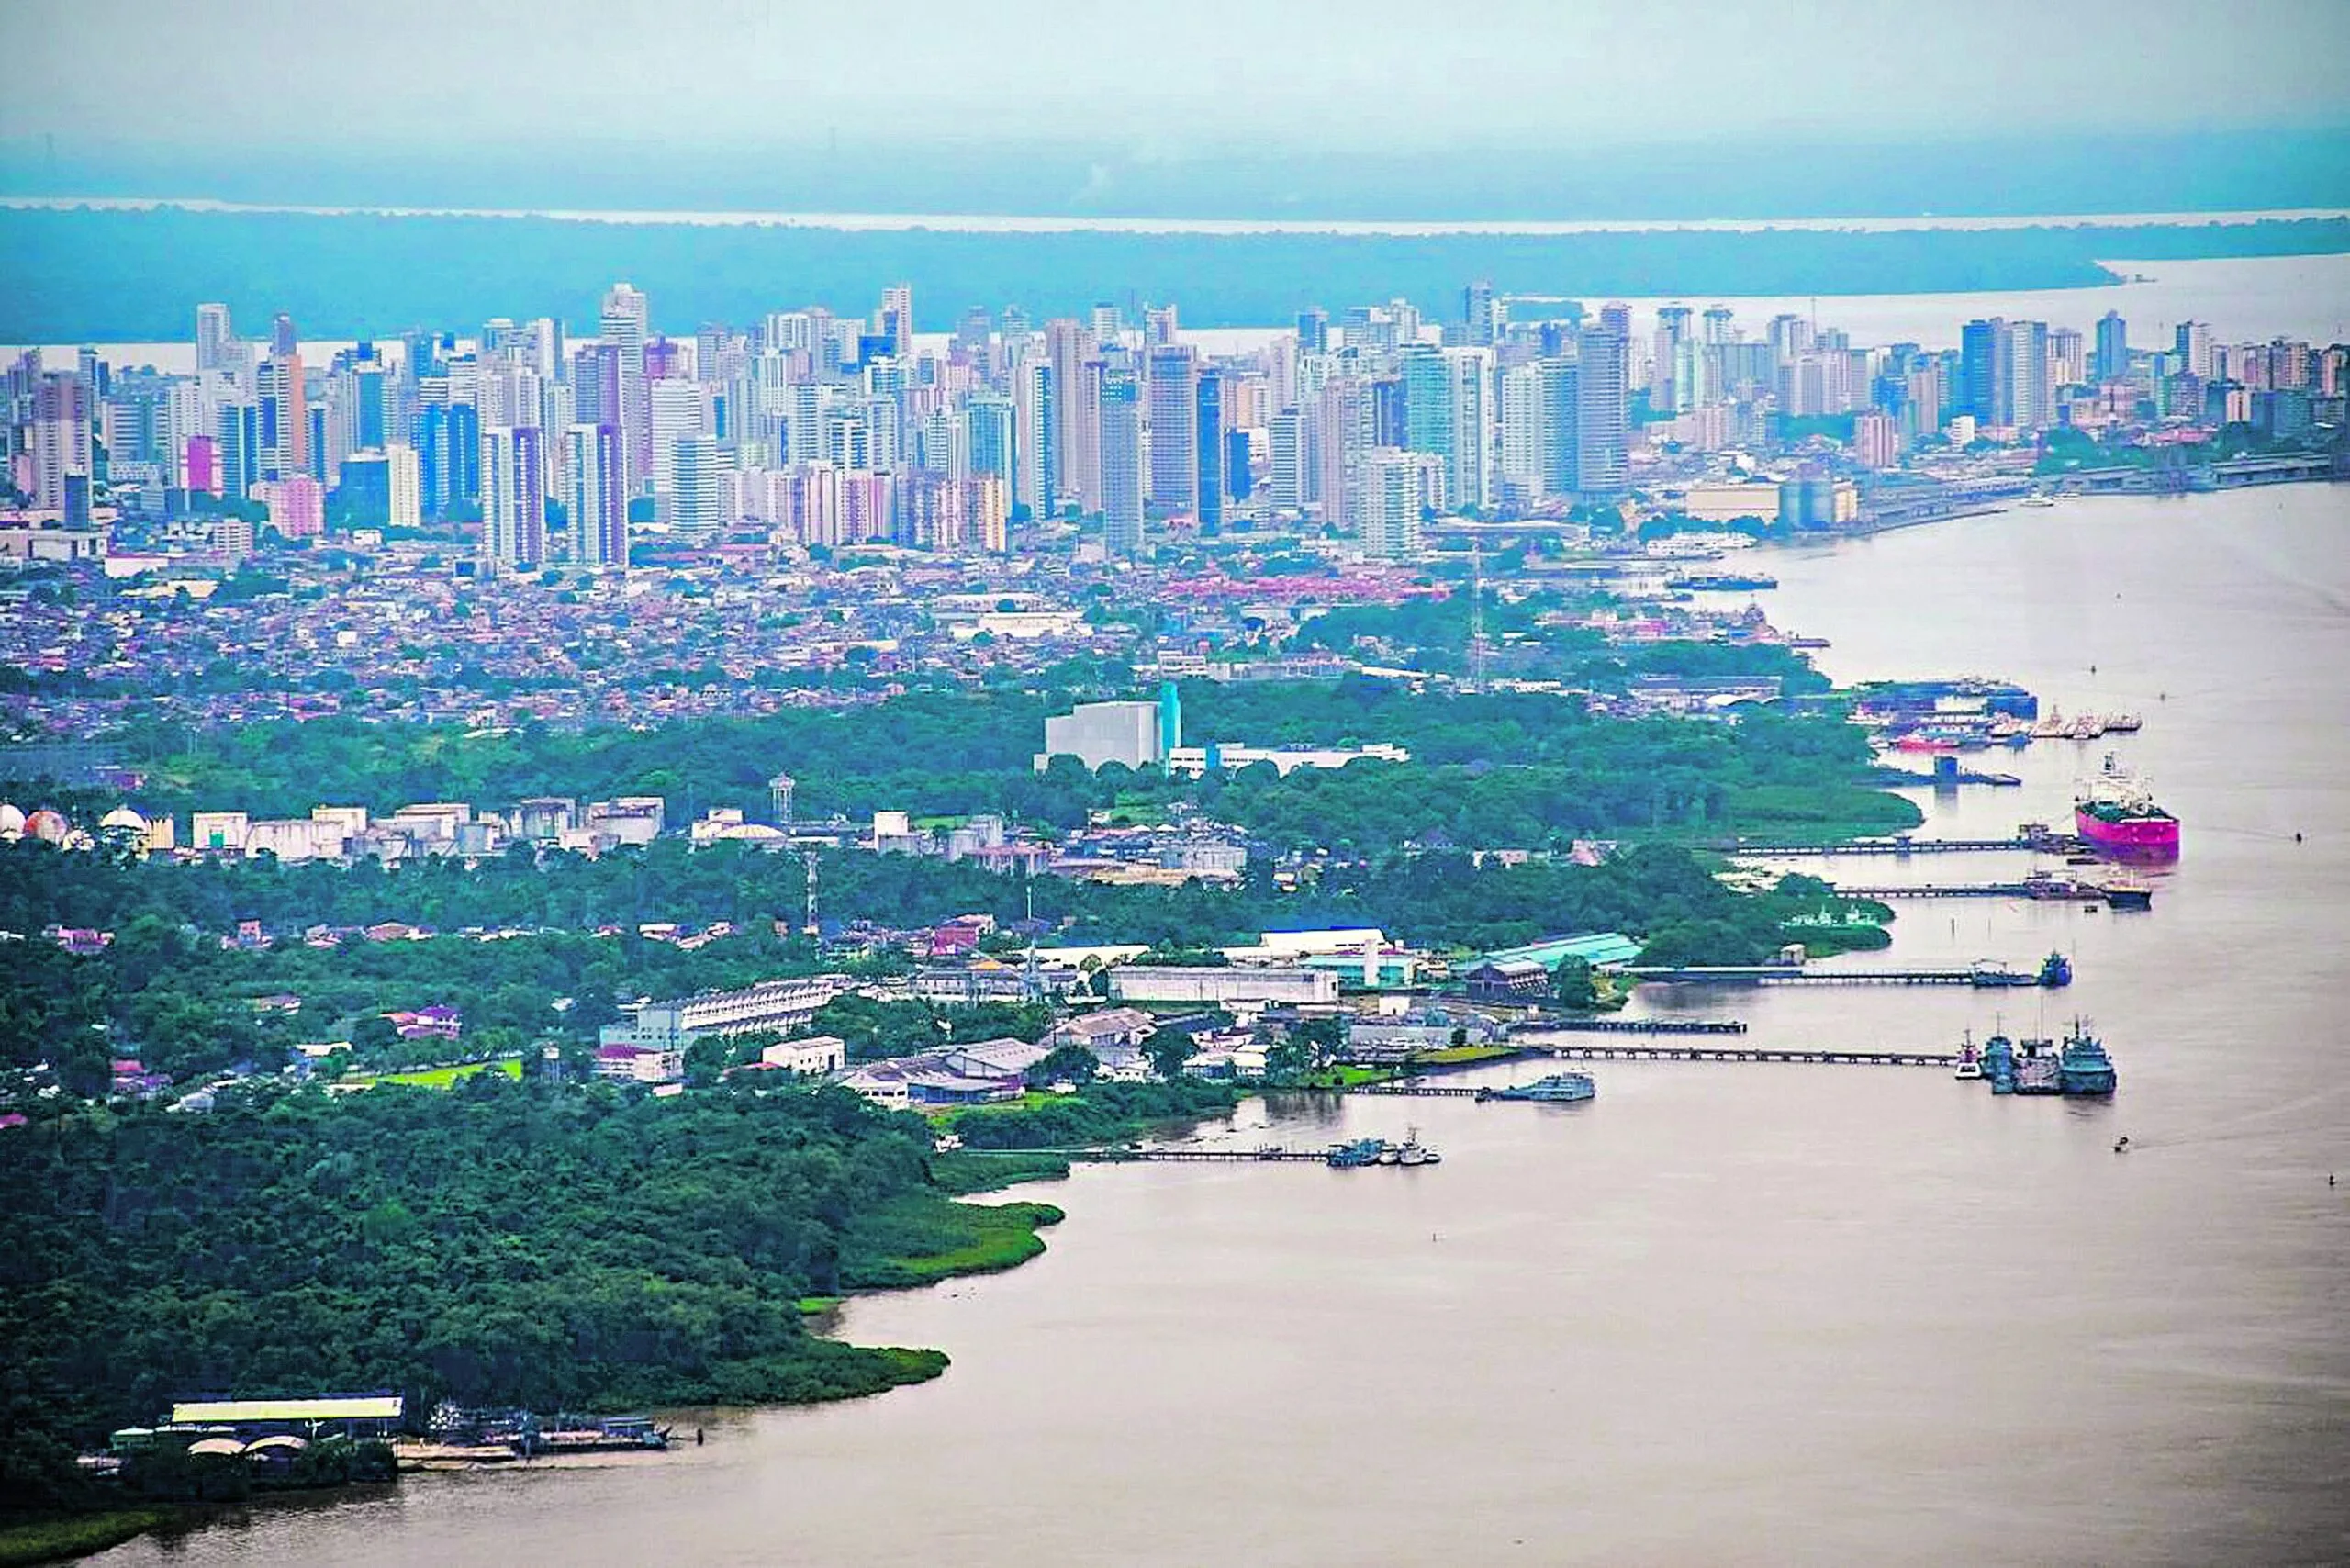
(1559, 1088)
(2116, 813)
(2083, 1067)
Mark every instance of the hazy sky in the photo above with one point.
(1159, 79)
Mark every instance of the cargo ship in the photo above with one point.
(2117, 814)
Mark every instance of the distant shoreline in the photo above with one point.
(1016, 223)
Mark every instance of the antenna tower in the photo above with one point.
(810, 860)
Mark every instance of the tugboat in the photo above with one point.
(2125, 891)
(2084, 1067)
(1411, 1151)
(1559, 1088)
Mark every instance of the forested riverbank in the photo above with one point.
(531, 1245)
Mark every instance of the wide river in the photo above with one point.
(1724, 1313)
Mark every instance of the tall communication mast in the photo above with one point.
(810, 860)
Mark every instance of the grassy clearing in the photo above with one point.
(77, 1535)
(441, 1077)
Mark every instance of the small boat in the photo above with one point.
(1411, 1151)
(1970, 1065)
(2126, 892)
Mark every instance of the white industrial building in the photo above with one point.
(1216, 986)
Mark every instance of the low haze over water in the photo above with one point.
(1765, 1314)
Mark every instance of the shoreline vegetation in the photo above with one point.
(59, 1538)
(83, 274)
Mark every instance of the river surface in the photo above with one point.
(1724, 1313)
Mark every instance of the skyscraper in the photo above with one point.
(1346, 433)
(1035, 474)
(624, 324)
(597, 477)
(1314, 330)
(1067, 348)
(1173, 372)
(1291, 480)
(513, 499)
(1478, 315)
(1397, 488)
(896, 320)
(694, 510)
(2193, 340)
(1986, 368)
(1671, 339)
(213, 336)
(1208, 431)
(990, 446)
(1603, 419)
(407, 510)
(1121, 462)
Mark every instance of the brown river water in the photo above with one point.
(1735, 1314)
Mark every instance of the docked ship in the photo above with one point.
(2083, 1065)
(1559, 1089)
(2117, 814)
(1723, 582)
(2038, 1067)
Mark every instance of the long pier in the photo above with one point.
(1789, 974)
(1801, 1054)
(2046, 844)
(1632, 1026)
(2042, 892)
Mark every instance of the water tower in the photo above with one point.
(780, 790)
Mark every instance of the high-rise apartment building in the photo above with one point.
(1207, 429)
(1173, 381)
(595, 475)
(694, 512)
(1603, 415)
(513, 499)
(1035, 474)
(1121, 462)
(1398, 488)
(406, 501)
(1069, 349)
(624, 324)
(214, 337)
(2112, 347)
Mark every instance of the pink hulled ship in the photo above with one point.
(2116, 813)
